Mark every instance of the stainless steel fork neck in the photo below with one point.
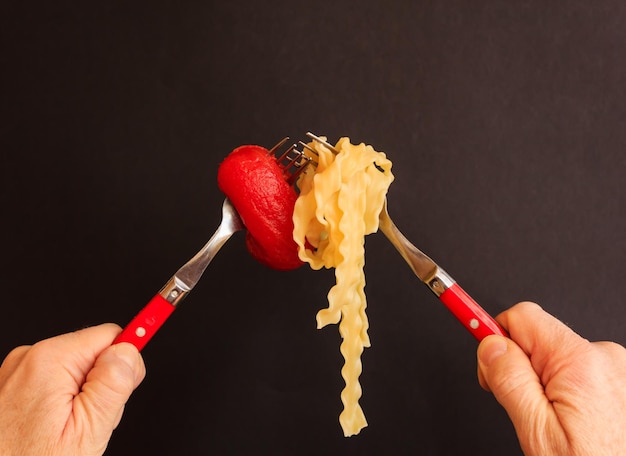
(174, 291)
(421, 264)
(440, 282)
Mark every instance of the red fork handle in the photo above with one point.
(478, 322)
(147, 322)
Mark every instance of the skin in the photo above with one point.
(564, 394)
(66, 395)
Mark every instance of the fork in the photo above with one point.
(475, 319)
(148, 321)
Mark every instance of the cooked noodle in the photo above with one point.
(339, 203)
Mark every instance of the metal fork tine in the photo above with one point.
(285, 155)
(292, 178)
(292, 161)
(321, 141)
(279, 145)
(309, 148)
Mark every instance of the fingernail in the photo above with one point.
(491, 349)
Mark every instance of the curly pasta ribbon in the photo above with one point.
(339, 203)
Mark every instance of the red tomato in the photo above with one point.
(256, 185)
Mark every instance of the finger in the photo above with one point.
(506, 371)
(118, 418)
(117, 372)
(481, 379)
(538, 334)
(54, 369)
(12, 360)
(528, 324)
(76, 352)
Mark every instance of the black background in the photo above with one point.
(505, 124)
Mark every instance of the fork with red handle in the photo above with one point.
(475, 319)
(147, 322)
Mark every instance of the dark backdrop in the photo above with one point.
(505, 124)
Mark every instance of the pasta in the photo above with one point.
(339, 203)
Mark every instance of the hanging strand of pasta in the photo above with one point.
(349, 273)
(338, 205)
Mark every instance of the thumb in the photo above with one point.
(118, 370)
(506, 371)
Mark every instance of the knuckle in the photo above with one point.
(16, 355)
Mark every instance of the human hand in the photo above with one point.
(66, 395)
(564, 394)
